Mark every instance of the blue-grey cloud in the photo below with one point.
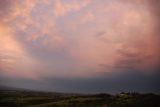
(132, 81)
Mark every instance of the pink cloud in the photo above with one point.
(103, 36)
(129, 29)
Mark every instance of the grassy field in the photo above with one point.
(10, 98)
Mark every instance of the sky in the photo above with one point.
(84, 46)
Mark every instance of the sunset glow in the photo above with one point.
(42, 39)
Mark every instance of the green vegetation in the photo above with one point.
(44, 99)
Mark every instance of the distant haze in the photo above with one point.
(80, 45)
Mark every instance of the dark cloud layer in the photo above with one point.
(125, 81)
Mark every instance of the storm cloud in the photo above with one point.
(80, 45)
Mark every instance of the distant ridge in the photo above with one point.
(8, 88)
(34, 92)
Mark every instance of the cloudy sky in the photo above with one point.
(80, 45)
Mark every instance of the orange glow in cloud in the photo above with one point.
(13, 58)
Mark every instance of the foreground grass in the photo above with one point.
(41, 99)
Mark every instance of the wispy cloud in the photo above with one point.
(61, 8)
